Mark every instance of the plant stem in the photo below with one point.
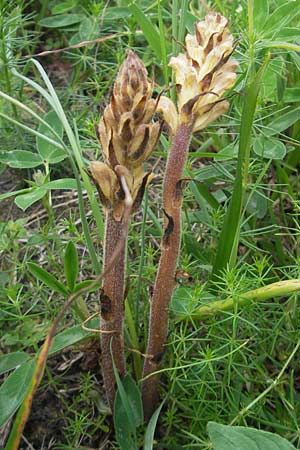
(278, 289)
(112, 305)
(165, 279)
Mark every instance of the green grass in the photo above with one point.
(240, 222)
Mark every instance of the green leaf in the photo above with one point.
(283, 122)
(257, 205)
(150, 32)
(62, 7)
(25, 200)
(269, 148)
(86, 283)
(260, 12)
(117, 12)
(61, 21)
(190, 20)
(21, 159)
(125, 426)
(150, 430)
(71, 336)
(230, 234)
(288, 33)
(13, 390)
(47, 278)
(291, 95)
(47, 151)
(71, 265)
(62, 183)
(12, 360)
(280, 17)
(225, 437)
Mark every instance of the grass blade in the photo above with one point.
(228, 243)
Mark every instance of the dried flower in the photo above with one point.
(202, 74)
(127, 136)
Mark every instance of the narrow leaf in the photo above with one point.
(72, 336)
(13, 391)
(45, 149)
(150, 32)
(71, 265)
(149, 435)
(47, 278)
(12, 360)
(228, 242)
(61, 20)
(283, 122)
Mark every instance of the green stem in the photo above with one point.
(134, 341)
(278, 289)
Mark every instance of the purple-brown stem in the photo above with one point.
(165, 279)
(112, 305)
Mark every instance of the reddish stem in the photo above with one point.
(112, 306)
(165, 279)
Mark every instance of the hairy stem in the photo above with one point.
(165, 279)
(112, 305)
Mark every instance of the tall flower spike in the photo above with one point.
(127, 136)
(203, 73)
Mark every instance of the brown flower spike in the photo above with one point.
(203, 73)
(127, 136)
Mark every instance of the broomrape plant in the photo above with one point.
(127, 138)
(128, 133)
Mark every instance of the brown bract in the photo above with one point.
(203, 73)
(127, 135)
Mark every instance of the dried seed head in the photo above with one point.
(203, 73)
(126, 131)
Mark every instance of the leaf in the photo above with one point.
(230, 233)
(280, 17)
(150, 32)
(25, 200)
(124, 416)
(291, 95)
(61, 20)
(258, 205)
(13, 390)
(86, 283)
(117, 12)
(21, 159)
(62, 183)
(260, 12)
(150, 430)
(47, 278)
(71, 265)
(48, 151)
(62, 7)
(71, 336)
(225, 437)
(12, 360)
(269, 148)
(190, 20)
(288, 33)
(283, 122)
